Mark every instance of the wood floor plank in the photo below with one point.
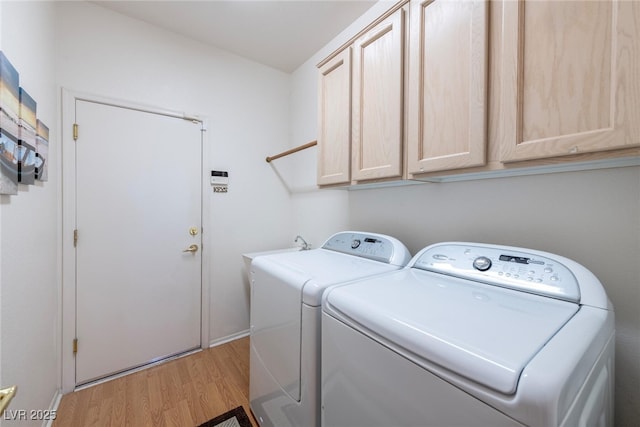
(198, 390)
(119, 399)
(184, 392)
(105, 413)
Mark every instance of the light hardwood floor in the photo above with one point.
(184, 392)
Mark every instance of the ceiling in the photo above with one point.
(282, 34)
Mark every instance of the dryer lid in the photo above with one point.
(322, 268)
(483, 333)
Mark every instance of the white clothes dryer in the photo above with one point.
(470, 335)
(286, 297)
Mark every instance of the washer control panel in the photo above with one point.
(506, 267)
(377, 247)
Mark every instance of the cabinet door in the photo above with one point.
(447, 95)
(377, 114)
(570, 77)
(334, 127)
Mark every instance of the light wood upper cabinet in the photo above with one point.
(377, 108)
(334, 127)
(570, 76)
(447, 88)
(439, 88)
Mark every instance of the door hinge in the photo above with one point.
(75, 131)
(75, 346)
(75, 238)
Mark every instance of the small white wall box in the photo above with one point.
(220, 178)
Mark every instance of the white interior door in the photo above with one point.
(138, 208)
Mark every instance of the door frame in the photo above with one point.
(67, 307)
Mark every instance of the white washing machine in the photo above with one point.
(286, 296)
(470, 335)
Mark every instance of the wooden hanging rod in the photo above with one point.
(293, 150)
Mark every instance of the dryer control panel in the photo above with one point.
(374, 246)
(502, 266)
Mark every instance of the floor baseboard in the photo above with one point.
(228, 338)
(53, 408)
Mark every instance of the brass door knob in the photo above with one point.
(192, 249)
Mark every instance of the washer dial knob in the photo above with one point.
(355, 244)
(482, 263)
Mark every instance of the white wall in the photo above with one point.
(29, 226)
(592, 217)
(246, 106)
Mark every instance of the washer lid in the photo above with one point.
(483, 333)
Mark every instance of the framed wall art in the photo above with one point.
(24, 139)
(9, 116)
